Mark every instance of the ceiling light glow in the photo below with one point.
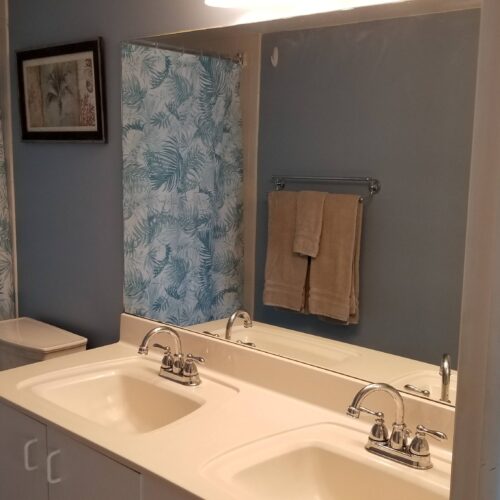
(247, 4)
(309, 5)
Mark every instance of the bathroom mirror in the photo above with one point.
(384, 92)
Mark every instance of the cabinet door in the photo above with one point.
(154, 488)
(77, 472)
(23, 449)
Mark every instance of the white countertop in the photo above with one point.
(180, 451)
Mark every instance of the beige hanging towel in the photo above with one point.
(334, 274)
(286, 271)
(308, 222)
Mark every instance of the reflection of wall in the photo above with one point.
(393, 100)
(69, 196)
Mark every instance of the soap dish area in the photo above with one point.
(26, 340)
(322, 461)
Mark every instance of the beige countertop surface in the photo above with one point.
(181, 451)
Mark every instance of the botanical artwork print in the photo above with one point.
(60, 93)
(6, 279)
(183, 185)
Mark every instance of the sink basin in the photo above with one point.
(325, 461)
(429, 380)
(126, 396)
(290, 344)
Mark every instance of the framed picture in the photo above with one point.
(61, 92)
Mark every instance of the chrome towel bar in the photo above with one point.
(373, 185)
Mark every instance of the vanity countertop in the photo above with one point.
(180, 452)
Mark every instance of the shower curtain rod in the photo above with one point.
(238, 58)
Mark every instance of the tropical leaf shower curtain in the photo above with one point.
(183, 182)
(7, 304)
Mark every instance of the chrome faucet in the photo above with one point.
(174, 367)
(240, 313)
(399, 433)
(396, 446)
(445, 372)
(144, 347)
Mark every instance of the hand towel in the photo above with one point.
(308, 222)
(286, 271)
(334, 273)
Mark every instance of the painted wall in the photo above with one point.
(476, 455)
(69, 196)
(394, 100)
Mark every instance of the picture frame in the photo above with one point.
(61, 93)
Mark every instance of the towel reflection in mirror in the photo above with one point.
(322, 279)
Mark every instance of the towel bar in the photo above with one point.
(374, 185)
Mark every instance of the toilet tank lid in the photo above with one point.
(33, 335)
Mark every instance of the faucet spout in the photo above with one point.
(355, 409)
(240, 313)
(144, 347)
(445, 372)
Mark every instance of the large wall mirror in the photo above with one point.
(209, 117)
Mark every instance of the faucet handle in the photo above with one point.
(354, 411)
(379, 432)
(210, 333)
(422, 430)
(160, 346)
(198, 359)
(419, 445)
(167, 361)
(190, 369)
(418, 390)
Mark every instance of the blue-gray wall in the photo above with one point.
(393, 100)
(69, 196)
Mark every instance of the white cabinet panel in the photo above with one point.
(77, 472)
(22, 457)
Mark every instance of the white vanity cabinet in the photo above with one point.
(154, 488)
(23, 451)
(38, 462)
(77, 472)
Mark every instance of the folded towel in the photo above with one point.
(285, 274)
(334, 273)
(308, 222)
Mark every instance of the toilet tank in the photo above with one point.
(26, 340)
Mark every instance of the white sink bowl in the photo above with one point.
(126, 396)
(429, 380)
(325, 461)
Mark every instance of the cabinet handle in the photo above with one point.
(50, 477)
(27, 446)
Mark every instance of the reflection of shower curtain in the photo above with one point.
(183, 174)
(6, 281)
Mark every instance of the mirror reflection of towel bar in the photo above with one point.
(374, 185)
